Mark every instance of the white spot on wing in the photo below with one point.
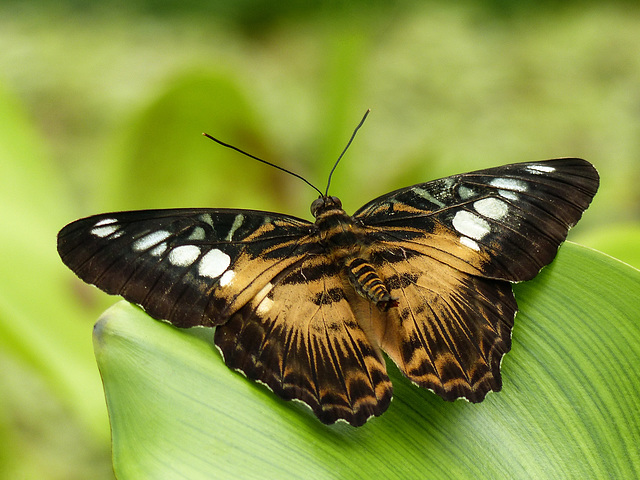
(539, 169)
(264, 306)
(184, 255)
(150, 240)
(106, 221)
(265, 290)
(105, 227)
(159, 250)
(206, 218)
(491, 207)
(197, 234)
(467, 242)
(509, 184)
(226, 278)
(213, 263)
(237, 222)
(470, 225)
(465, 192)
(266, 303)
(508, 194)
(427, 196)
(104, 231)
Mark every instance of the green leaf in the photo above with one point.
(620, 240)
(568, 408)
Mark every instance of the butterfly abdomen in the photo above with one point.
(367, 283)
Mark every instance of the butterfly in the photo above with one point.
(422, 273)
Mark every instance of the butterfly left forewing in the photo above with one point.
(303, 336)
(187, 266)
(504, 222)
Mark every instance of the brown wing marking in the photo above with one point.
(450, 329)
(299, 336)
(440, 244)
(223, 301)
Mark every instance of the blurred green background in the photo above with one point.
(102, 106)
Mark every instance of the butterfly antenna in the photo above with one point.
(353, 135)
(263, 161)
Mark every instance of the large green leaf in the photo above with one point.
(568, 409)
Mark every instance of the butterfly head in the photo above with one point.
(325, 204)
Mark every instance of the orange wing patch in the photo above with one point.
(450, 329)
(300, 336)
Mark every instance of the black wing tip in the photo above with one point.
(569, 165)
(577, 165)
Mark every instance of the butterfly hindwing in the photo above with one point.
(450, 329)
(303, 336)
(182, 265)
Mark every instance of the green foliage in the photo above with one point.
(620, 240)
(567, 409)
(162, 148)
(51, 396)
(101, 109)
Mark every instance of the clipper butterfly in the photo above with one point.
(422, 273)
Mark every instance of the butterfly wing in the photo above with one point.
(187, 266)
(282, 314)
(450, 329)
(505, 222)
(447, 250)
(300, 336)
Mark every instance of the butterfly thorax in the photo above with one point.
(343, 239)
(338, 232)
